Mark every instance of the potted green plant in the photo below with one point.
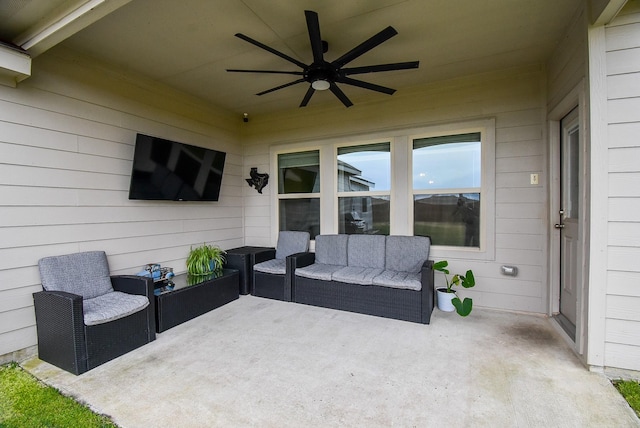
(205, 259)
(448, 300)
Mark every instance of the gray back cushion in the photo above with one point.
(332, 249)
(366, 251)
(291, 243)
(407, 253)
(86, 274)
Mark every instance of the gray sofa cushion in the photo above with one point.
(85, 274)
(331, 249)
(393, 279)
(318, 271)
(112, 306)
(406, 253)
(356, 275)
(290, 242)
(366, 251)
(273, 266)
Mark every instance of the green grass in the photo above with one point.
(441, 233)
(27, 402)
(630, 390)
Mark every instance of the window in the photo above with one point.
(364, 184)
(447, 189)
(437, 180)
(299, 191)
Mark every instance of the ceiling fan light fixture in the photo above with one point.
(320, 85)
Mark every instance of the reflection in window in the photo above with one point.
(447, 186)
(450, 162)
(364, 184)
(300, 215)
(448, 219)
(299, 192)
(299, 172)
(364, 215)
(364, 168)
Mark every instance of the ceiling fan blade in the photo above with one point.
(313, 25)
(366, 85)
(295, 82)
(307, 96)
(380, 67)
(341, 96)
(365, 46)
(295, 73)
(269, 49)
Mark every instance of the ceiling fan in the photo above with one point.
(322, 74)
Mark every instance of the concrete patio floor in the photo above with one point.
(265, 363)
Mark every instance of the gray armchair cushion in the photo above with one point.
(112, 306)
(366, 251)
(393, 279)
(406, 253)
(356, 275)
(290, 242)
(273, 266)
(331, 249)
(85, 274)
(318, 271)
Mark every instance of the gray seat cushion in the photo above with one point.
(318, 271)
(290, 242)
(366, 251)
(393, 279)
(356, 275)
(85, 274)
(273, 266)
(112, 306)
(331, 249)
(406, 253)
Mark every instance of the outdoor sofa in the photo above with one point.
(386, 276)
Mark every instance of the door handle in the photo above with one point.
(560, 225)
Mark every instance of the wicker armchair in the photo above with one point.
(273, 276)
(85, 317)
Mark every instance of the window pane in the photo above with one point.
(368, 214)
(299, 172)
(450, 162)
(448, 219)
(364, 168)
(300, 215)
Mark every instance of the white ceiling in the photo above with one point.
(188, 44)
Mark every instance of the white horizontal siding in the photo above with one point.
(66, 141)
(622, 335)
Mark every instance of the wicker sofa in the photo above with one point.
(386, 276)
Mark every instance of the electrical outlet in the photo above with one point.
(534, 179)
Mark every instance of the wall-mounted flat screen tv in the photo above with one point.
(168, 170)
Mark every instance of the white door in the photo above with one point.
(569, 220)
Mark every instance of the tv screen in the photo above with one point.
(168, 170)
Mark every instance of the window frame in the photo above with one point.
(486, 128)
(360, 194)
(275, 172)
(401, 193)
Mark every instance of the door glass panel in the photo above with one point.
(571, 158)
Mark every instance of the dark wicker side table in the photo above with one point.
(191, 297)
(243, 259)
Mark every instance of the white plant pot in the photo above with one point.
(444, 300)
